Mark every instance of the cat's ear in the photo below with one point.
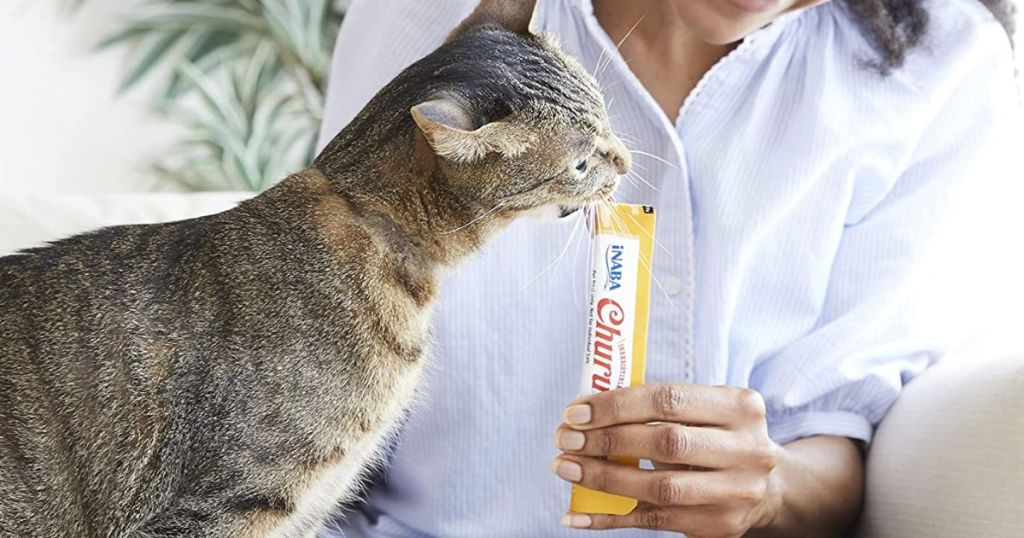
(453, 135)
(449, 129)
(519, 16)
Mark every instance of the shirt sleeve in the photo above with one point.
(378, 39)
(908, 269)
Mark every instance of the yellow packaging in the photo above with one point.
(620, 290)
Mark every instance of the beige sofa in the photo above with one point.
(947, 462)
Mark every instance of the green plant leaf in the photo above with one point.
(266, 119)
(210, 64)
(315, 36)
(203, 44)
(191, 15)
(222, 107)
(130, 33)
(248, 83)
(152, 55)
(279, 23)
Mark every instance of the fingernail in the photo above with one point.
(571, 440)
(579, 521)
(577, 414)
(567, 470)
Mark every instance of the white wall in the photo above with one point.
(63, 126)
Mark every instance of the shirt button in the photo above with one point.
(672, 286)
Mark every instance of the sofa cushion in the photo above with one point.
(28, 220)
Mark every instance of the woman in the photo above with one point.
(809, 161)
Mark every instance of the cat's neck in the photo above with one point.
(402, 197)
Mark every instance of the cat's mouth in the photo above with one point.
(565, 211)
(603, 194)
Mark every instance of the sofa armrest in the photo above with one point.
(948, 461)
(29, 220)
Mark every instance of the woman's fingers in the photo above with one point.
(696, 522)
(664, 442)
(665, 488)
(720, 429)
(685, 404)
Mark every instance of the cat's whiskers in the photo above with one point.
(334, 524)
(628, 139)
(604, 89)
(474, 221)
(652, 156)
(597, 66)
(633, 174)
(590, 218)
(619, 224)
(556, 262)
(576, 257)
(651, 236)
(618, 46)
(628, 179)
(631, 142)
(648, 234)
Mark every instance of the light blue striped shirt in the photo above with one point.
(811, 221)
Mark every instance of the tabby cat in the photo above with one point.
(233, 375)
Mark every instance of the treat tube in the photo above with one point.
(622, 249)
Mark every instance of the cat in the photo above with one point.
(233, 375)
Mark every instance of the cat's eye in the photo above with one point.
(581, 166)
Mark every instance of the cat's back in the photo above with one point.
(51, 295)
(104, 337)
(73, 317)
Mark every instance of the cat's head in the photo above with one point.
(512, 121)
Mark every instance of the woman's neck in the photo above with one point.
(665, 55)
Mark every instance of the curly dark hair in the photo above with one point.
(896, 26)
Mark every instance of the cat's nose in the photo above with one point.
(619, 155)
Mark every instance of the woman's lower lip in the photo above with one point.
(755, 6)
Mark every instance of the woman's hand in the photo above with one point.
(717, 472)
(714, 462)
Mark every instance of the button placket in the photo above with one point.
(675, 339)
